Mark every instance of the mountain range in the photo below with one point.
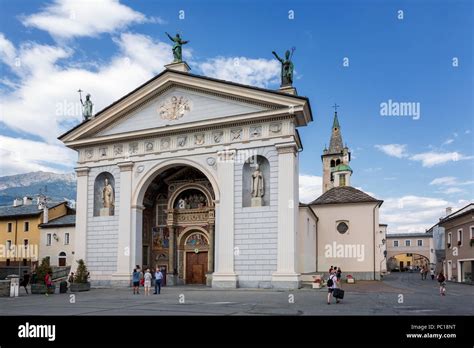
(56, 187)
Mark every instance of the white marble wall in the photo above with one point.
(256, 229)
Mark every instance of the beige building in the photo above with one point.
(57, 241)
(348, 232)
(409, 250)
(459, 239)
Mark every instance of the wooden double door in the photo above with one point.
(196, 267)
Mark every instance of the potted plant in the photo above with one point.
(449, 245)
(38, 285)
(350, 279)
(317, 282)
(459, 243)
(81, 278)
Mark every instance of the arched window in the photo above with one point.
(62, 259)
(333, 163)
(104, 194)
(338, 162)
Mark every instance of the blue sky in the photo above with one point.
(417, 166)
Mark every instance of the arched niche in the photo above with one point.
(100, 190)
(248, 170)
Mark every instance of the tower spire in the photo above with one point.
(336, 145)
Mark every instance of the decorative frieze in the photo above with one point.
(187, 141)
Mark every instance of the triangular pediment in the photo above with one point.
(173, 100)
(178, 106)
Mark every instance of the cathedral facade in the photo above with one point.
(199, 177)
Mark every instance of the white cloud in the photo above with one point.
(448, 141)
(71, 18)
(310, 187)
(445, 180)
(450, 181)
(415, 213)
(451, 190)
(411, 213)
(256, 72)
(22, 156)
(47, 91)
(468, 131)
(431, 159)
(394, 150)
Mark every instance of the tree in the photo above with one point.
(82, 275)
(42, 270)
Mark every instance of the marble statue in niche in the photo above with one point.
(258, 186)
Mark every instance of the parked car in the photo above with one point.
(396, 269)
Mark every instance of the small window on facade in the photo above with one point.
(25, 243)
(9, 244)
(342, 227)
(395, 243)
(9, 227)
(27, 226)
(460, 237)
(450, 237)
(342, 179)
(66, 238)
(48, 239)
(408, 243)
(420, 242)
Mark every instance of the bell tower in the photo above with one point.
(336, 170)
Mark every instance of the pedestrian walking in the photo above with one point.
(158, 279)
(425, 272)
(136, 281)
(442, 284)
(421, 272)
(332, 284)
(148, 277)
(48, 280)
(25, 281)
(338, 275)
(432, 273)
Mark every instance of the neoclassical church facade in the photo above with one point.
(199, 177)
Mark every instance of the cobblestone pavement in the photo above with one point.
(397, 294)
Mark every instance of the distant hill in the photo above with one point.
(55, 186)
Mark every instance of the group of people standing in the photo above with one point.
(145, 279)
(334, 282)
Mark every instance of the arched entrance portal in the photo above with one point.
(178, 225)
(407, 262)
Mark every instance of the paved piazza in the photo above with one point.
(364, 298)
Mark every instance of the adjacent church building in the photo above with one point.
(199, 177)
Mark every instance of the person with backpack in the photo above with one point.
(442, 283)
(332, 284)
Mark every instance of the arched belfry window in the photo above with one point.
(256, 182)
(333, 163)
(338, 162)
(104, 194)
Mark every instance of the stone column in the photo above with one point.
(288, 201)
(224, 275)
(210, 264)
(137, 234)
(80, 233)
(210, 256)
(171, 275)
(124, 249)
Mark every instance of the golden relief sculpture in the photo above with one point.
(174, 108)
